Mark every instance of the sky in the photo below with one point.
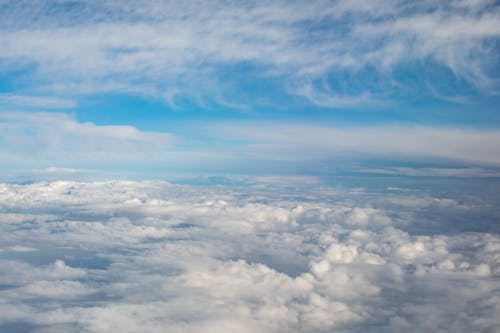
(154, 89)
(249, 166)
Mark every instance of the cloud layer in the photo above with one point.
(292, 141)
(128, 256)
(39, 138)
(332, 53)
(49, 142)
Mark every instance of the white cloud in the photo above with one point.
(295, 142)
(58, 138)
(55, 144)
(132, 256)
(36, 101)
(57, 170)
(434, 172)
(51, 289)
(154, 47)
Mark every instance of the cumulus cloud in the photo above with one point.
(134, 256)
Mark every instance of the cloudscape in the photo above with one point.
(246, 166)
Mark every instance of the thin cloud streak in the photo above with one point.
(297, 142)
(41, 102)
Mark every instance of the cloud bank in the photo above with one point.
(49, 142)
(38, 138)
(292, 141)
(134, 257)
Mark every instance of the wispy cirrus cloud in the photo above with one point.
(153, 48)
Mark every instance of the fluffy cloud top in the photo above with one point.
(128, 256)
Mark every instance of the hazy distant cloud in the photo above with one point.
(434, 172)
(11, 100)
(135, 256)
(58, 138)
(295, 142)
(164, 48)
(57, 170)
(55, 143)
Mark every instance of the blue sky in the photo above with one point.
(236, 87)
(249, 166)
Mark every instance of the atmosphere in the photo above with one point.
(249, 166)
(155, 88)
